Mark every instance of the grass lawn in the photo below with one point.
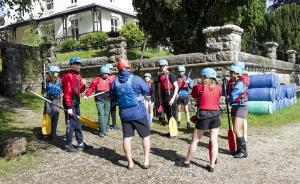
(132, 54)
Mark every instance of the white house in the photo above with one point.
(65, 18)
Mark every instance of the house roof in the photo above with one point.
(69, 12)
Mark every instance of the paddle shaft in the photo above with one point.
(47, 100)
(227, 105)
(97, 94)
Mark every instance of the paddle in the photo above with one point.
(97, 94)
(46, 125)
(83, 120)
(172, 122)
(230, 133)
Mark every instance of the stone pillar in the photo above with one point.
(223, 43)
(271, 49)
(50, 52)
(291, 56)
(116, 48)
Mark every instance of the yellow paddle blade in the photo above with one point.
(173, 127)
(46, 124)
(88, 122)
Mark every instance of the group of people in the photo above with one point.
(135, 98)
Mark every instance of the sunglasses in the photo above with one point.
(161, 66)
(232, 72)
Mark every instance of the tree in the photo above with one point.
(132, 33)
(283, 26)
(179, 23)
(31, 37)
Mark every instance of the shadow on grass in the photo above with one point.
(99, 53)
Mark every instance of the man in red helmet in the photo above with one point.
(129, 91)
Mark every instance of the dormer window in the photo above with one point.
(73, 1)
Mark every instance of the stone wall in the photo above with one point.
(21, 65)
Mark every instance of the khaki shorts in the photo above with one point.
(239, 111)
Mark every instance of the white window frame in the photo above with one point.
(114, 21)
(49, 4)
(74, 27)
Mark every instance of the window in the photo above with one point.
(49, 4)
(73, 1)
(51, 32)
(112, 1)
(74, 28)
(114, 24)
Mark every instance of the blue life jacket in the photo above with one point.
(126, 96)
(54, 88)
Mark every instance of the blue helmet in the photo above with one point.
(54, 69)
(74, 60)
(163, 62)
(209, 73)
(181, 68)
(147, 75)
(104, 69)
(110, 66)
(236, 69)
(240, 64)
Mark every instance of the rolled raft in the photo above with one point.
(260, 107)
(263, 81)
(262, 94)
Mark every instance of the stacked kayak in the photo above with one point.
(266, 95)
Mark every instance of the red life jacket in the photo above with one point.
(245, 79)
(103, 84)
(244, 96)
(165, 83)
(182, 84)
(208, 99)
(111, 77)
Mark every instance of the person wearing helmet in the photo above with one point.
(150, 97)
(73, 85)
(167, 91)
(101, 84)
(53, 92)
(113, 105)
(129, 91)
(207, 94)
(245, 79)
(237, 96)
(185, 84)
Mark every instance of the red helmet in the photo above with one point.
(123, 63)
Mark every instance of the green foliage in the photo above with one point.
(282, 26)
(85, 40)
(68, 44)
(31, 37)
(98, 39)
(179, 23)
(133, 34)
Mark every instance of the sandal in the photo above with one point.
(209, 169)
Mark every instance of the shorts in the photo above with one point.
(239, 111)
(210, 123)
(139, 125)
(183, 100)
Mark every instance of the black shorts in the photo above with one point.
(183, 100)
(240, 111)
(139, 125)
(210, 123)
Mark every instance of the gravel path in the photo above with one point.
(273, 158)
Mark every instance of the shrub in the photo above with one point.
(69, 44)
(31, 37)
(85, 40)
(98, 39)
(132, 33)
